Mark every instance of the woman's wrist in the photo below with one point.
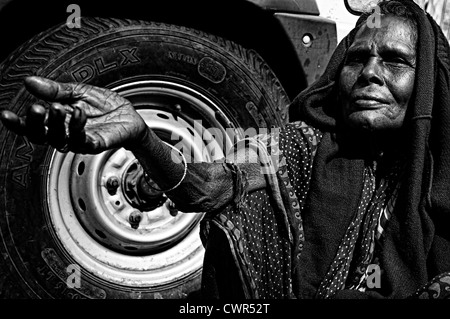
(140, 141)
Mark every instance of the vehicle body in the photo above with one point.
(267, 26)
(65, 222)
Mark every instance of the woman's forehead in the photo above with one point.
(390, 30)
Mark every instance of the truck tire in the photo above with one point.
(63, 233)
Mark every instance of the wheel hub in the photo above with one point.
(140, 193)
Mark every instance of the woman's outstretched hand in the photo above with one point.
(81, 118)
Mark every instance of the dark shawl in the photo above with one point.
(416, 245)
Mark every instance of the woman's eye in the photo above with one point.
(398, 60)
(395, 60)
(356, 58)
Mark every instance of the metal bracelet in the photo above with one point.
(182, 178)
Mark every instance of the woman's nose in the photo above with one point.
(371, 72)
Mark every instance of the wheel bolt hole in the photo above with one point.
(81, 168)
(100, 234)
(82, 204)
(163, 116)
(117, 203)
(133, 167)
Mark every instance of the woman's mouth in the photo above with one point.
(369, 102)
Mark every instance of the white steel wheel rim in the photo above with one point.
(164, 249)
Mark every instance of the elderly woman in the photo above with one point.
(360, 189)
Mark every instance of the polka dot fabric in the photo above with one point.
(262, 236)
(357, 249)
(265, 229)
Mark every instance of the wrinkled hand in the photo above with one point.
(81, 118)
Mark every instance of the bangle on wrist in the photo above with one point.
(182, 178)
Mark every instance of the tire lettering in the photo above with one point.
(25, 150)
(211, 70)
(102, 67)
(129, 56)
(88, 71)
(84, 73)
(22, 154)
(178, 56)
(19, 175)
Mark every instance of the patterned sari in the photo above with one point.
(264, 229)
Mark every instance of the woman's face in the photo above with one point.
(377, 79)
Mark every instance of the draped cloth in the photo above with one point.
(416, 244)
(263, 230)
(308, 216)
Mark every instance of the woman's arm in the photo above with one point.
(206, 186)
(87, 119)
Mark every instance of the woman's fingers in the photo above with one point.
(13, 122)
(77, 122)
(36, 130)
(49, 126)
(77, 134)
(94, 100)
(50, 90)
(101, 108)
(56, 134)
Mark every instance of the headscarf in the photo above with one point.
(416, 244)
